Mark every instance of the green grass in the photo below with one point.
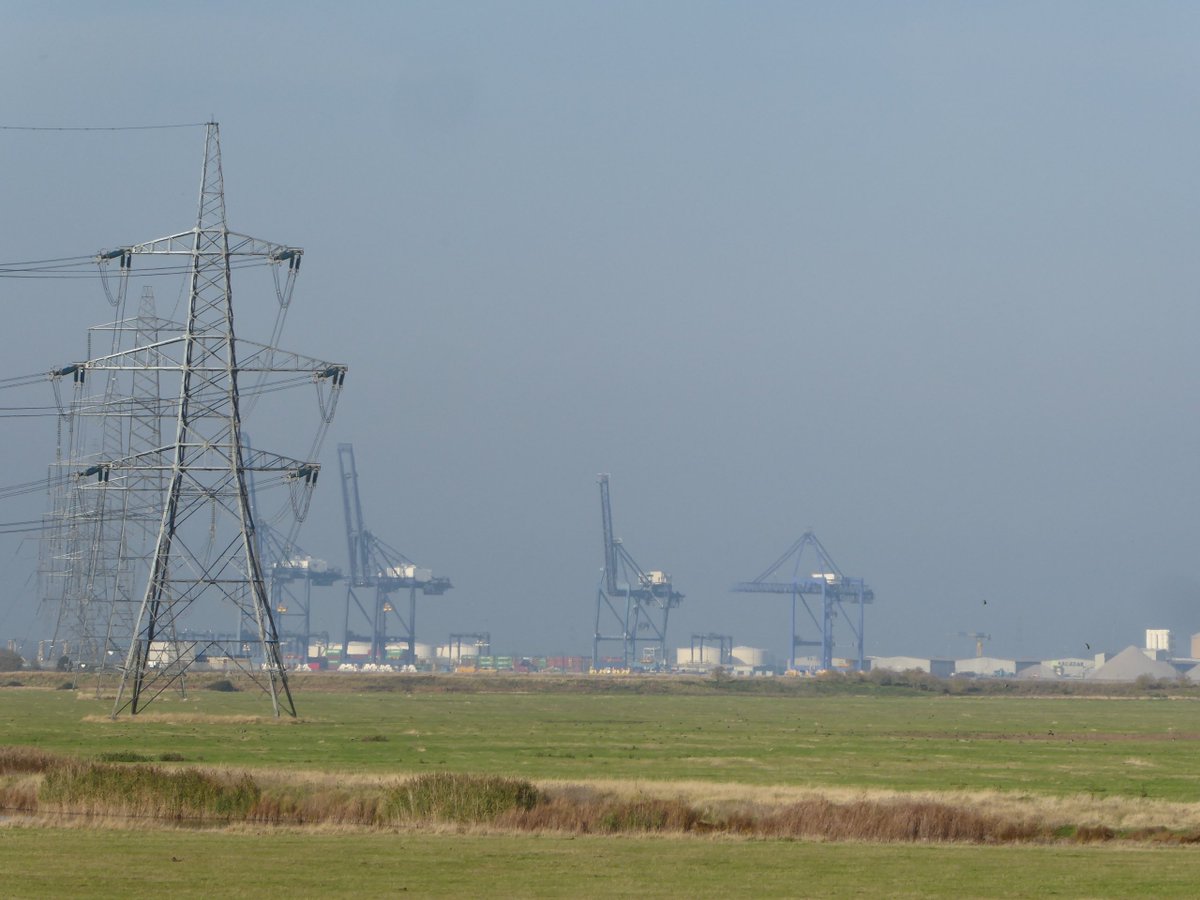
(80, 862)
(898, 739)
(909, 741)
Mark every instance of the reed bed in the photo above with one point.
(47, 787)
(147, 792)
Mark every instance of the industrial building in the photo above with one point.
(986, 667)
(941, 668)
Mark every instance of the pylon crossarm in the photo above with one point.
(184, 243)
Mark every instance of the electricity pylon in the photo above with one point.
(205, 556)
(108, 526)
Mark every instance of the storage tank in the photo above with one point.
(454, 652)
(708, 655)
(423, 651)
(750, 656)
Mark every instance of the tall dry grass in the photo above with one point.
(59, 788)
(894, 820)
(453, 797)
(23, 760)
(146, 792)
(816, 818)
(606, 815)
(435, 797)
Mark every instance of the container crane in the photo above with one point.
(978, 637)
(633, 602)
(291, 575)
(383, 570)
(478, 642)
(724, 643)
(287, 564)
(826, 582)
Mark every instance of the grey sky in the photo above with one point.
(918, 276)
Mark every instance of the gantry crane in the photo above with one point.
(638, 602)
(724, 643)
(827, 582)
(978, 637)
(287, 564)
(287, 567)
(385, 570)
(478, 641)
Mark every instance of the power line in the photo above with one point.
(38, 262)
(99, 127)
(29, 526)
(56, 272)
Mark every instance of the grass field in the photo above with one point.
(273, 864)
(1062, 746)
(1128, 762)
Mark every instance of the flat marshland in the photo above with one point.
(654, 787)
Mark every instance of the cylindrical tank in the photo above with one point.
(750, 656)
(423, 651)
(709, 655)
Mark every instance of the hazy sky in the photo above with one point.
(921, 277)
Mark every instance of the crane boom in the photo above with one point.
(383, 570)
(357, 548)
(610, 544)
(636, 602)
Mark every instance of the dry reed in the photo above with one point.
(62, 788)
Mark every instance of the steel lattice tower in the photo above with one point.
(108, 526)
(141, 499)
(205, 557)
(87, 560)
